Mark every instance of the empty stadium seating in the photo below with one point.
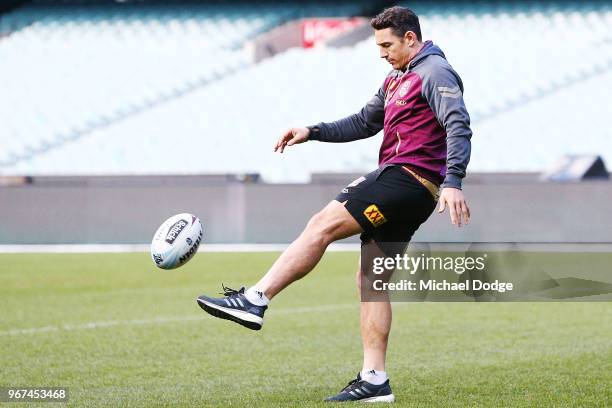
(536, 78)
(67, 71)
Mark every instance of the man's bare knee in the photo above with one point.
(318, 229)
(332, 223)
(316, 221)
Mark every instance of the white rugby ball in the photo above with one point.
(176, 241)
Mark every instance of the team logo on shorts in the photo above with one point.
(374, 215)
(353, 184)
(404, 88)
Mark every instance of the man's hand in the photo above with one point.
(459, 211)
(291, 137)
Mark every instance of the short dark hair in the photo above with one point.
(399, 19)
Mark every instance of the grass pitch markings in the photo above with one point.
(162, 320)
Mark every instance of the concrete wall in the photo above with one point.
(275, 41)
(289, 35)
(128, 210)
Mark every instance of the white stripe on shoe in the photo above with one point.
(242, 315)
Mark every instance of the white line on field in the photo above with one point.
(335, 247)
(110, 248)
(163, 320)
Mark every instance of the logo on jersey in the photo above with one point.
(374, 215)
(401, 102)
(403, 91)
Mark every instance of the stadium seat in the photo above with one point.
(523, 92)
(66, 70)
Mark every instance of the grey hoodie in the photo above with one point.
(425, 121)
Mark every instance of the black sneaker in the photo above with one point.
(235, 307)
(362, 391)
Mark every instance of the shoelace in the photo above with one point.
(352, 385)
(228, 292)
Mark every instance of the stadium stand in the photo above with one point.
(70, 70)
(109, 104)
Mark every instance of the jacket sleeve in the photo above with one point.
(365, 123)
(443, 90)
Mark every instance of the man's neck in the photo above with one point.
(418, 47)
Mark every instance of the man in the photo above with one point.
(426, 146)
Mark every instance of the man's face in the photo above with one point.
(394, 49)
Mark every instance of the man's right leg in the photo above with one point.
(334, 222)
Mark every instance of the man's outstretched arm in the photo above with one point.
(365, 123)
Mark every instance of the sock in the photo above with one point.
(256, 297)
(374, 377)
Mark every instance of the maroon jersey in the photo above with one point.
(425, 121)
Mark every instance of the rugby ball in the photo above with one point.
(176, 241)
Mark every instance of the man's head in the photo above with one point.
(398, 35)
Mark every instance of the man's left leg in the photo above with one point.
(375, 315)
(375, 319)
(372, 383)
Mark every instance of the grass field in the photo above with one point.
(119, 332)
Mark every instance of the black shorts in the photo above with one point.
(389, 204)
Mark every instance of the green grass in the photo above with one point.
(158, 349)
